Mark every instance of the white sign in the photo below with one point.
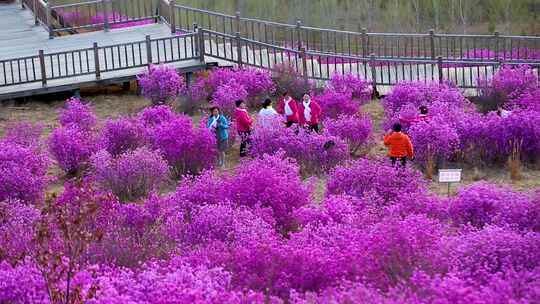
(449, 175)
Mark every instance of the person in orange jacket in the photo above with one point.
(399, 145)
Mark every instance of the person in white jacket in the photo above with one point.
(267, 114)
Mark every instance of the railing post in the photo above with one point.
(148, 50)
(48, 19)
(365, 40)
(196, 30)
(373, 72)
(200, 41)
(304, 63)
(106, 25)
(34, 9)
(42, 68)
(432, 43)
(239, 49)
(96, 61)
(496, 36)
(237, 19)
(299, 33)
(172, 15)
(440, 68)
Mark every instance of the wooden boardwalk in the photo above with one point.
(69, 62)
(31, 63)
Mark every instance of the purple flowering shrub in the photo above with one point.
(421, 94)
(24, 133)
(72, 148)
(381, 255)
(508, 83)
(16, 230)
(77, 114)
(521, 130)
(187, 149)
(359, 89)
(288, 79)
(153, 116)
(271, 186)
(224, 86)
(340, 209)
(315, 153)
(161, 84)
(334, 104)
(493, 250)
(225, 223)
(528, 100)
(131, 175)
(135, 233)
(277, 186)
(122, 135)
(23, 173)
(483, 204)
(355, 130)
(377, 181)
(152, 282)
(227, 94)
(435, 139)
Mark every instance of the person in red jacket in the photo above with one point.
(399, 144)
(309, 113)
(287, 107)
(244, 123)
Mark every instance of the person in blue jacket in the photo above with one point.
(220, 126)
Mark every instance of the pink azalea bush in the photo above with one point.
(374, 180)
(354, 129)
(334, 104)
(77, 114)
(131, 175)
(17, 230)
(288, 79)
(510, 82)
(153, 116)
(23, 173)
(435, 139)
(24, 133)
(227, 94)
(122, 135)
(224, 86)
(72, 148)
(484, 204)
(315, 153)
(359, 89)
(187, 149)
(421, 94)
(529, 100)
(161, 84)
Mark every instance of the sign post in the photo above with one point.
(449, 176)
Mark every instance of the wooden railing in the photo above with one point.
(103, 14)
(321, 66)
(97, 60)
(391, 45)
(383, 58)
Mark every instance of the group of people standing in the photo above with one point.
(306, 114)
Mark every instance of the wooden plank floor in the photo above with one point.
(19, 37)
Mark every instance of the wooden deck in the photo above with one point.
(70, 61)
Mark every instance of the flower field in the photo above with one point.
(98, 206)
